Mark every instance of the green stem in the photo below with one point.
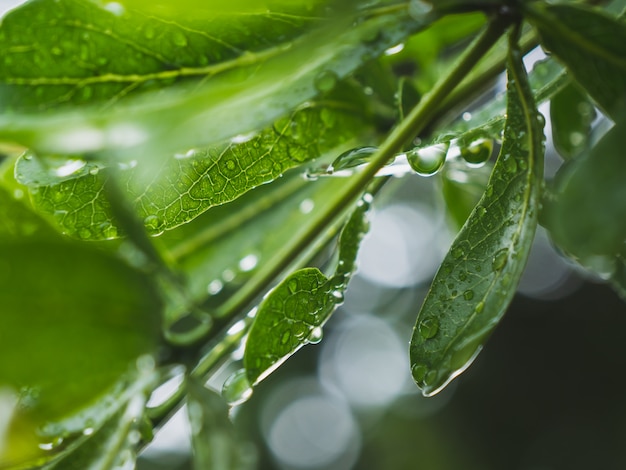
(414, 123)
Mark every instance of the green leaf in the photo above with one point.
(111, 446)
(587, 213)
(293, 314)
(590, 43)
(186, 186)
(77, 325)
(17, 220)
(462, 188)
(216, 445)
(77, 78)
(571, 115)
(477, 279)
(225, 249)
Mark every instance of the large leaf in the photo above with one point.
(74, 323)
(292, 314)
(122, 79)
(478, 277)
(186, 186)
(590, 43)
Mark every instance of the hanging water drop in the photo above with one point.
(419, 371)
(477, 153)
(352, 158)
(428, 161)
(326, 81)
(315, 336)
(237, 389)
(338, 296)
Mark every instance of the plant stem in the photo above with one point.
(414, 123)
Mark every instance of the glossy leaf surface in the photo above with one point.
(591, 44)
(68, 345)
(189, 184)
(126, 80)
(294, 312)
(478, 276)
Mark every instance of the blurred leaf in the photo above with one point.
(109, 447)
(123, 79)
(462, 188)
(618, 279)
(74, 323)
(587, 215)
(478, 277)
(571, 115)
(590, 43)
(293, 314)
(226, 247)
(186, 186)
(216, 445)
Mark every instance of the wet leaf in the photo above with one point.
(186, 186)
(478, 276)
(216, 445)
(293, 314)
(125, 80)
(590, 43)
(70, 347)
(571, 115)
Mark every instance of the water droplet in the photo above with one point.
(116, 8)
(307, 206)
(88, 431)
(481, 211)
(428, 328)
(577, 138)
(326, 81)
(428, 161)
(69, 167)
(315, 336)
(541, 119)
(457, 253)
(419, 371)
(237, 389)
(56, 442)
(480, 306)
(179, 39)
(84, 234)
(477, 153)
(152, 222)
(467, 116)
(285, 338)
(248, 263)
(468, 294)
(293, 285)
(394, 50)
(510, 165)
(337, 295)
(367, 198)
(94, 170)
(352, 158)
(500, 259)
(228, 275)
(431, 377)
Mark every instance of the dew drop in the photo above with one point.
(352, 158)
(419, 371)
(248, 263)
(467, 116)
(293, 286)
(477, 153)
(84, 233)
(94, 170)
(69, 168)
(395, 49)
(152, 222)
(215, 287)
(428, 328)
(285, 338)
(429, 160)
(315, 336)
(576, 138)
(307, 206)
(480, 306)
(237, 389)
(326, 81)
(56, 442)
(457, 253)
(116, 8)
(179, 39)
(500, 259)
(337, 295)
(468, 294)
(510, 165)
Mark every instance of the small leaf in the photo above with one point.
(186, 186)
(216, 445)
(571, 115)
(293, 314)
(590, 43)
(478, 277)
(75, 328)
